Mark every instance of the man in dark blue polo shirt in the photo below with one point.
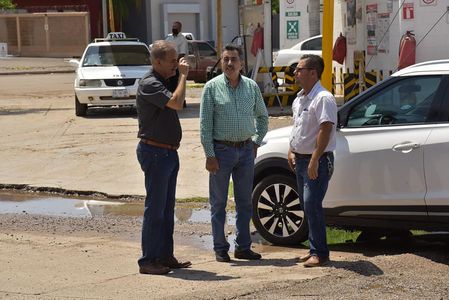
(160, 134)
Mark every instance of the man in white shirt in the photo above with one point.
(312, 143)
(181, 47)
(178, 38)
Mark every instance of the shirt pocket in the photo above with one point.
(303, 122)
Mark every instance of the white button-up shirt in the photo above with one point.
(180, 41)
(309, 111)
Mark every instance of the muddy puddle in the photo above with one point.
(58, 206)
(35, 204)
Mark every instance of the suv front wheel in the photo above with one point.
(277, 210)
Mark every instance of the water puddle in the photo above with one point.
(34, 204)
(57, 206)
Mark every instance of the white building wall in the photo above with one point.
(162, 11)
(431, 43)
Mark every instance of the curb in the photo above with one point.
(36, 72)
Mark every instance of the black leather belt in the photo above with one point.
(308, 156)
(234, 144)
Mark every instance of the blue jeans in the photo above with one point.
(238, 162)
(161, 170)
(312, 193)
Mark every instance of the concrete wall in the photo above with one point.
(378, 15)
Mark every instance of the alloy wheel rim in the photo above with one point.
(279, 210)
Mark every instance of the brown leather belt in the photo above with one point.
(307, 156)
(234, 144)
(160, 145)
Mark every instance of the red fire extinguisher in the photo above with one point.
(407, 50)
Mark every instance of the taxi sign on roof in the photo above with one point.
(116, 35)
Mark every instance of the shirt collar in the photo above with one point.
(157, 75)
(313, 92)
(228, 82)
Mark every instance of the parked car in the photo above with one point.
(201, 56)
(290, 57)
(109, 71)
(391, 162)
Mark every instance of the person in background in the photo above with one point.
(181, 47)
(178, 38)
(233, 122)
(160, 136)
(312, 143)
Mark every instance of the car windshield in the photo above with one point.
(116, 55)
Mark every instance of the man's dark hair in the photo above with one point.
(232, 47)
(314, 62)
(178, 23)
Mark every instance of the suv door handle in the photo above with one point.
(406, 147)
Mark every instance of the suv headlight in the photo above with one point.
(90, 82)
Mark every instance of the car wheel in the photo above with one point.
(80, 108)
(277, 211)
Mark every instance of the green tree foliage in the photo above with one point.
(122, 7)
(275, 7)
(7, 4)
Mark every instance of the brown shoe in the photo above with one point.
(304, 258)
(316, 261)
(154, 268)
(173, 263)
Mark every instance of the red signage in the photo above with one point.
(408, 11)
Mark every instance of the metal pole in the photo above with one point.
(268, 56)
(219, 30)
(104, 12)
(328, 31)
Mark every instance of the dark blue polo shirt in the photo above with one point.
(156, 121)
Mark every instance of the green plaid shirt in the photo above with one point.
(231, 114)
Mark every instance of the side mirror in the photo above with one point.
(74, 62)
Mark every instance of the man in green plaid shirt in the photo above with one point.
(233, 122)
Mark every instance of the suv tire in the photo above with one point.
(278, 212)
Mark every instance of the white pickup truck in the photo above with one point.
(290, 57)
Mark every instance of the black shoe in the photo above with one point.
(247, 254)
(222, 256)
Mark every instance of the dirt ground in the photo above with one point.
(95, 258)
(41, 257)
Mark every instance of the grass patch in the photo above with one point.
(193, 199)
(231, 190)
(195, 85)
(338, 236)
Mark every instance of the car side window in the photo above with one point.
(314, 44)
(407, 101)
(206, 50)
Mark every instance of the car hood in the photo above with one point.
(278, 133)
(113, 72)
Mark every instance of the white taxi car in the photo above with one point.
(109, 72)
(391, 163)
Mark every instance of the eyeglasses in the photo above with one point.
(300, 69)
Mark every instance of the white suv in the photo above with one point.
(290, 56)
(109, 72)
(391, 162)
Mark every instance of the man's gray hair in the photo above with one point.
(160, 49)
